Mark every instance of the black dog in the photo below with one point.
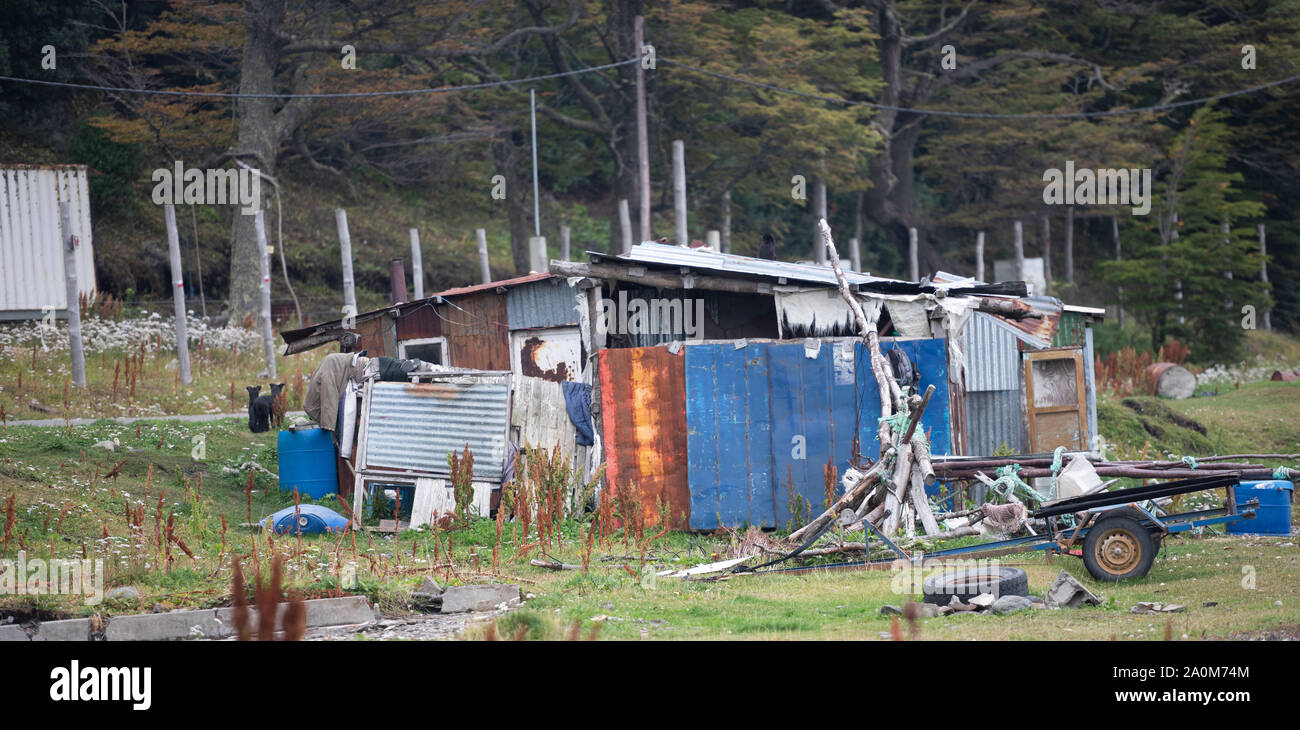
(259, 410)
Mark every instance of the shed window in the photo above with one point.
(429, 349)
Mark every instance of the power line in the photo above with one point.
(687, 67)
(982, 115)
(320, 95)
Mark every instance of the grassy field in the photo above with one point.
(65, 503)
(64, 496)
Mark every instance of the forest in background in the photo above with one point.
(427, 160)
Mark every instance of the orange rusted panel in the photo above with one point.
(643, 414)
(476, 331)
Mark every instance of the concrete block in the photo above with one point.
(478, 597)
(73, 629)
(164, 626)
(342, 611)
(13, 632)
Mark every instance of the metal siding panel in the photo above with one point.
(476, 334)
(762, 504)
(1090, 384)
(643, 418)
(994, 418)
(844, 406)
(868, 403)
(31, 242)
(818, 376)
(931, 358)
(992, 356)
(703, 441)
(545, 303)
(734, 440)
(786, 376)
(414, 426)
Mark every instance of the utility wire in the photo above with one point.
(321, 95)
(687, 67)
(982, 115)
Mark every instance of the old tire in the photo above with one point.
(1118, 548)
(966, 584)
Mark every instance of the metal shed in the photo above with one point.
(31, 240)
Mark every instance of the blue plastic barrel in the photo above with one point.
(1273, 517)
(305, 519)
(307, 462)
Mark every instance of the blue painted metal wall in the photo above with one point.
(764, 419)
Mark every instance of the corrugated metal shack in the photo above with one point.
(527, 327)
(737, 424)
(728, 412)
(31, 239)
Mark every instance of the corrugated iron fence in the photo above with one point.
(739, 433)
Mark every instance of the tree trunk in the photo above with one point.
(257, 143)
(890, 202)
(509, 154)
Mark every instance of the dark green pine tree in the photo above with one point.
(1196, 241)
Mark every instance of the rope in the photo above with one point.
(1190, 461)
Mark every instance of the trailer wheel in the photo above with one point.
(1118, 548)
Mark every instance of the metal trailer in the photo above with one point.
(1117, 535)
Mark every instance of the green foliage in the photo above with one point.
(115, 162)
(1185, 242)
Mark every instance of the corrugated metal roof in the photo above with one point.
(413, 426)
(695, 258)
(31, 242)
(992, 357)
(544, 303)
(492, 285)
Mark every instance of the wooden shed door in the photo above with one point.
(1056, 400)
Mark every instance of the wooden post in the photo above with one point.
(642, 132)
(913, 263)
(1263, 272)
(178, 294)
(345, 250)
(198, 263)
(1114, 234)
(819, 214)
(713, 239)
(1069, 244)
(979, 256)
(1046, 232)
(70, 244)
(397, 281)
(855, 254)
(537, 259)
(726, 221)
(679, 191)
(264, 264)
(625, 223)
(1020, 253)
(485, 271)
(1178, 283)
(564, 243)
(417, 265)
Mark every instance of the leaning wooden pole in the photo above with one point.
(72, 289)
(178, 295)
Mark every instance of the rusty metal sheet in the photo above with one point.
(550, 354)
(419, 323)
(475, 328)
(412, 426)
(643, 416)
